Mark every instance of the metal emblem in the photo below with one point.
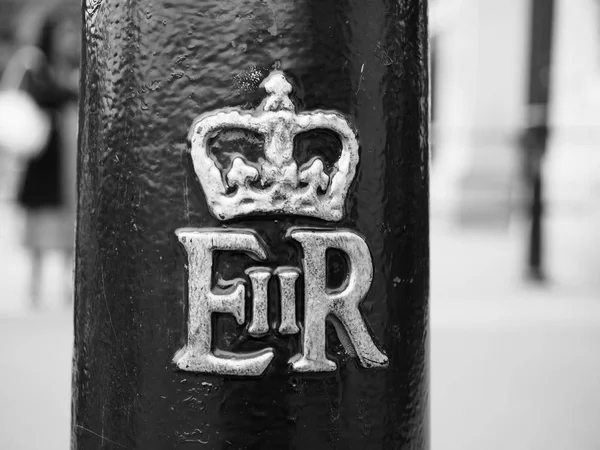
(276, 185)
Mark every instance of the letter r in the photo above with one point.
(320, 302)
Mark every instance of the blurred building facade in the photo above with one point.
(481, 52)
(574, 151)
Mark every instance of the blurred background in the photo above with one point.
(515, 223)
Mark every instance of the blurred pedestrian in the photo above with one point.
(47, 193)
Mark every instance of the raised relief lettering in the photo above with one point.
(197, 356)
(259, 277)
(320, 302)
(287, 288)
(275, 184)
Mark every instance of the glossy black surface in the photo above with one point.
(149, 69)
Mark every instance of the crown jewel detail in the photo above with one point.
(274, 185)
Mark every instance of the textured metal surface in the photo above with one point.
(340, 305)
(198, 354)
(319, 302)
(275, 185)
(150, 68)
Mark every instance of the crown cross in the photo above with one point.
(275, 185)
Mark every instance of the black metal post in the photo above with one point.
(536, 134)
(256, 277)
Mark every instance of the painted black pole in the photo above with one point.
(536, 134)
(252, 262)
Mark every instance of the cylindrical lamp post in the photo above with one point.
(252, 263)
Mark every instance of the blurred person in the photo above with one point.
(47, 194)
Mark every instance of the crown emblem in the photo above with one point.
(276, 183)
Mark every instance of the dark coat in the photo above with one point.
(42, 185)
